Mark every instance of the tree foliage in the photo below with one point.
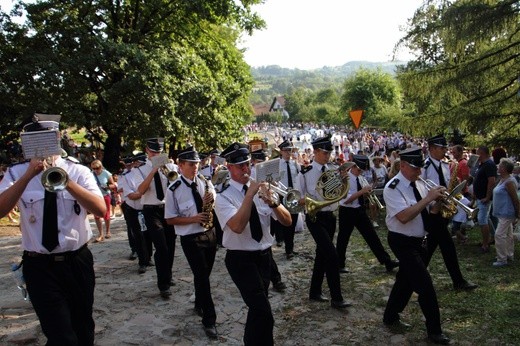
(466, 72)
(133, 68)
(374, 91)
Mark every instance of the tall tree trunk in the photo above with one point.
(112, 152)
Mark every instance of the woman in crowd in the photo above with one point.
(106, 184)
(506, 209)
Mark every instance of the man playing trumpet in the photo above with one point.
(57, 265)
(352, 213)
(436, 169)
(245, 219)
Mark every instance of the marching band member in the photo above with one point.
(189, 207)
(437, 170)
(57, 265)
(322, 229)
(407, 219)
(352, 213)
(152, 184)
(245, 219)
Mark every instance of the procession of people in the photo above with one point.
(224, 200)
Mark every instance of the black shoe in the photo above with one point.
(141, 270)
(198, 311)
(319, 298)
(340, 304)
(172, 283)
(465, 286)
(150, 263)
(289, 255)
(279, 243)
(132, 256)
(397, 326)
(344, 270)
(279, 287)
(391, 265)
(165, 294)
(440, 339)
(211, 332)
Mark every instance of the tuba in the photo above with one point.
(332, 187)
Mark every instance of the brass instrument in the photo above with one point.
(291, 197)
(453, 177)
(207, 207)
(54, 179)
(450, 202)
(221, 175)
(161, 161)
(372, 198)
(332, 187)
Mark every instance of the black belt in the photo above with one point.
(194, 235)
(153, 206)
(254, 252)
(55, 257)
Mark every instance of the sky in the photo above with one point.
(310, 34)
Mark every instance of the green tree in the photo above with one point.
(465, 76)
(132, 68)
(374, 91)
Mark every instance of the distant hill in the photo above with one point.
(329, 71)
(274, 80)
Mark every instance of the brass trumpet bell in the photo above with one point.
(54, 179)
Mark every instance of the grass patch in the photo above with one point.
(488, 315)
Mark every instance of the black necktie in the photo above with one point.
(442, 181)
(289, 175)
(50, 221)
(254, 221)
(158, 186)
(361, 198)
(323, 169)
(196, 196)
(424, 213)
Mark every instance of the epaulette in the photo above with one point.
(72, 159)
(175, 185)
(203, 167)
(125, 173)
(393, 184)
(427, 164)
(306, 169)
(224, 187)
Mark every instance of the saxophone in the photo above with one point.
(449, 208)
(207, 207)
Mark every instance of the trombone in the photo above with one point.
(450, 201)
(372, 198)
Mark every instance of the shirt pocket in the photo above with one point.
(185, 207)
(33, 196)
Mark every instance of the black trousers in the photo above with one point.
(129, 231)
(142, 244)
(62, 294)
(326, 259)
(250, 271)
(440, 236)
(412, 276)
(163, 239)
(357, 217)
(285, 233)
(201, 257)
(275, 274)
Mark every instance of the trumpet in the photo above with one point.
(54, 179)
(372, 198)
(161, 161)
(450, 202)
(291, 197)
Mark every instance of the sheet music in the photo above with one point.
(268, 170)
(40, 144)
